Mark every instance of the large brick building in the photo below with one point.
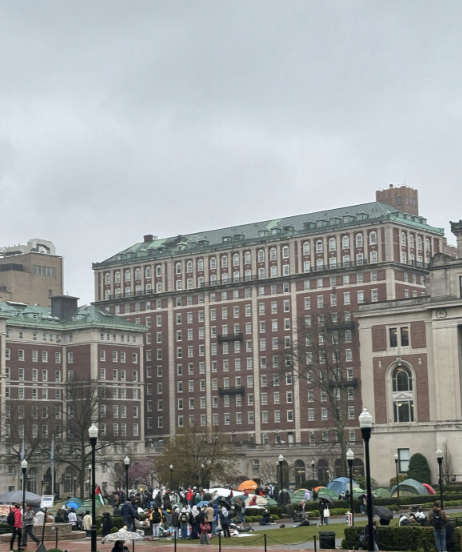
(42, 351)
(220, 304)
(411, 370)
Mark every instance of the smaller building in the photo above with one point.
(45, 355)
(411, 370)
(31, 273)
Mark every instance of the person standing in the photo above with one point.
(437, 519)
(205, 529)
(129, 514)
(224, 520)
(106, 524)
(450, 540)
(87, 522)
(17, 527)
(29, 526)
(155, 519)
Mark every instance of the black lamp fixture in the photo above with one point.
(350, 455)
(280, 461)
(93, 434)
(365, 423)
(397, 473)
(439, 458)
(127, 466)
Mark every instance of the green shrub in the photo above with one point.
(419, 468)
(398, 538)
(275, 516)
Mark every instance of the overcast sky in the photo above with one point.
(122, 118)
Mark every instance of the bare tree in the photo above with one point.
(448, 467)
(141, 471)
(269, 472)
(194, 447)
(319, 357)
(84, 403)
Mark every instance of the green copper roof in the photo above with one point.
(21, 314)
(267, 230)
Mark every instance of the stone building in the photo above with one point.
(221, 304)
(31, 273)
(411, 370)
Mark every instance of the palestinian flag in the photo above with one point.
(99, 496)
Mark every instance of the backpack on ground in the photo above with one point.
(437, 519)
(184, 517)
(10, 519)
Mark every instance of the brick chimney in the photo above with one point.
(402, 198)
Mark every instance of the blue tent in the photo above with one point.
(341, 484)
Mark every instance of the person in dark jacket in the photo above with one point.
(450, 540)
(176, 522)
(438, 519)
(225, 521)
(129, 514)
(106, 523)
(59, 518)
(375, 531)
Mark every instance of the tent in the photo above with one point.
(341, 484)
(248, 485)
(16, 496)
(259, 502)
(410, 487)
(381, 493)
(327, 493)
(429, 488)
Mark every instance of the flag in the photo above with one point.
(99, 496)
(52, 453)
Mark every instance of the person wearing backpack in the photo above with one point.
(155, 519)
(224, 520)
(184, 521)
(15, 521)
(437, 519)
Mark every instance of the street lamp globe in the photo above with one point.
(93, 431)
(24, 464)
(171, 466)
(365, 419)
(127, 461)
(281, 458)
(439, 455)
(396, 457)
(350, 454)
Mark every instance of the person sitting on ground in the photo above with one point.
(403, 521)
(266, 519)
(420, 516)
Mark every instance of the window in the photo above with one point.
(345, 242)
(285, 252)
(403, 399)
(319, 246)
(404, 456)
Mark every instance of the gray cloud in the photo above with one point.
(119, 119)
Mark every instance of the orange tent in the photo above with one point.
(248, 485)
(317, 488)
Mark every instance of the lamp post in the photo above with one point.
(201, 484)
(171, 478)
(127, 466)
(350, 457)
(280, 461)
(24, 471)
(75, 485)
(397, 473)
(312, 468)
(365, 423)
(93, 434)
(439, 458)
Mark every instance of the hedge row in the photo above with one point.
(398, 538)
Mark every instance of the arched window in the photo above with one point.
(247, 257)
(236, 259)
(319, 246)
(261, 255)
(107, 278)
(200, 265)
(411, 241)
(158, 271)
(403, 238)
(117, 277)
(419, 242)
(189, 267)
(127, 276)
(224, 261)
(403, 395)
(147, 272)
(373, 238)
(138, 274)
(285, 252)
(178, 268)
(428, 245)
(306, 248)
(359, 240)
(273, 254)
(323, 471)
(70, 481)
(346, 242)
(332, 244)
(213, 263)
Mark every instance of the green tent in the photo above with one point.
(410, 487)
(327, 493)
(381, 493)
